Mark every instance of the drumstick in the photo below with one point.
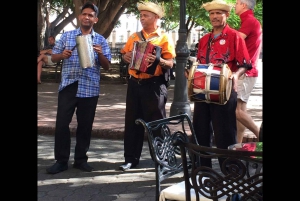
(74, 47)
(186, 70)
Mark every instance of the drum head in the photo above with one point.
(227, 83)
(191, 82)
(228, 89)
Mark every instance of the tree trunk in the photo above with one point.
(109, 14)
(40, 25)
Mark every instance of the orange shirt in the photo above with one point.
(167, 52)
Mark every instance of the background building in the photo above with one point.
(131, 24)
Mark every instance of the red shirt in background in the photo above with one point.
(251, 27)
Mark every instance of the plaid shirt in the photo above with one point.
(88, 78)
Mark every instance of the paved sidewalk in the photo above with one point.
(110, 112)
(106, 183)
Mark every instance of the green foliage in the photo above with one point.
(57, 6)
(197, 16)
(259, 146)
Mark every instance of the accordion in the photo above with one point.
(139, 54)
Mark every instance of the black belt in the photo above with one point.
(145, 81)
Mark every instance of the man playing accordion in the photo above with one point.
(147, 91)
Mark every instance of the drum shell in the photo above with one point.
(85, 50)
(210, 83)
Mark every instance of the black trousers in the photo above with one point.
(85, 113)
(146, 101)
(223, 120)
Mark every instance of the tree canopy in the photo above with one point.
(111, 10)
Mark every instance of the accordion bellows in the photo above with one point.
(139, 54)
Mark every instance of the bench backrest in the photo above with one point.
(57, 67)
(161, 134)
(241, 173)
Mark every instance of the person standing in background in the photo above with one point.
(146, 94)
(78, 90)
(251, 32)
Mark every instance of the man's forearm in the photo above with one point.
(240, 71)
(48, 51)
(104, 61)
(56, 57)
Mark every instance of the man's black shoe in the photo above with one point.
(127, 166)
(57, 167)
(83, 166)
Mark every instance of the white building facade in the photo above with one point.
(131, 24)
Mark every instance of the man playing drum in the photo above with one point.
(223, 45)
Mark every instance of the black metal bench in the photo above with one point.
(116, 54)
(57, 69)
(124, 75)
(241, 177)
(123, 67)
(161, 134)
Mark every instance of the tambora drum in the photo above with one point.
(210, 83)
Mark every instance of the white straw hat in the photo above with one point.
(217, 5)
(152, 7)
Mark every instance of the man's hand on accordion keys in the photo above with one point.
(150, 58)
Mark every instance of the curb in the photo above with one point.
(110, 134)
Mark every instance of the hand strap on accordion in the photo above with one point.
(142, 38)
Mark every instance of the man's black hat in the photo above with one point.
(90, 5)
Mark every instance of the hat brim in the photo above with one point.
(149, 6)
(216, 6)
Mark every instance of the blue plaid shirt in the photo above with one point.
(88, 78)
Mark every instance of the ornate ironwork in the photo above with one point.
(241, 173)
(161, 135)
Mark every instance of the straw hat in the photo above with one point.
(217, 5)
(152, 7)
